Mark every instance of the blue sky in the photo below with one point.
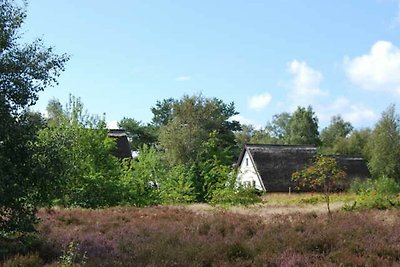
(341, 57)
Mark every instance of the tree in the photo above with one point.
(193, 119)
(337, 129)
(384, 146)
(279, 127)
(138, 134)
(355, 144)
(162, 112)
(324, 175)
(262, 137)
(303, 127)
(78, 152)
(244, 136)
(25, 70)
(54, 112)
(142, 176)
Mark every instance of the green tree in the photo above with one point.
(262, 137)
(355, 144)
(142, 176)
(177, 185)
(162, 112)
(77, 150)
(303, 127)
(138, 134)
(278, 128)
(337, 129)
(384, 145)
(244, 136)
(324, 175)
(54, 111)
(25, 70)
(193, 119)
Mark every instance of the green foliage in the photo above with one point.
(354, 144)
(191, 121)
(235, 196)
(263, 137)
(72, 256)
(303, 127)
(177, 186)
(212, 167)
(25, 70)
(138, 134)
(244, 136)
(278, 128)
(141, 176)
(381, 193)
(384, 146)
(324, 175)
(162, 112)
(77, 153)
(338, 129)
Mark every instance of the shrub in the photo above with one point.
(30, 260)
(167, 236)
(235, 196)
(381, 193)
(141, 177)
(177, 186)
(324, 175)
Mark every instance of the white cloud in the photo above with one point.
(244, 120)
(305, 84)
(379, 70)
(112, 124)
(258, 102)
(356, 113)
(183, 78)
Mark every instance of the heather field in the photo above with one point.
(201, 235)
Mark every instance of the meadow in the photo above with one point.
(282, 231)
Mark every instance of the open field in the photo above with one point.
(284, 204)
(200, 235)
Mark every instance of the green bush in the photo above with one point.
(235, 196)
(381, 193)
(141, 177)
(177, 186)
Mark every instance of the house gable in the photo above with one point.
(248, 174)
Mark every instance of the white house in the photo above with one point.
(270, 167)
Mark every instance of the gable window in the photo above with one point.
(247, 162)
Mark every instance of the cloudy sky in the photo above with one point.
(341, 57)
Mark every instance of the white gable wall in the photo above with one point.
(247, 174)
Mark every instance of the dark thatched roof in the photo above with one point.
(354, 166)
(123, 149)
(276, 163)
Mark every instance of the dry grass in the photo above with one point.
(282, 204)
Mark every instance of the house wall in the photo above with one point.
(247, 174)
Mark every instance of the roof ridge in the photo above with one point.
(279, 145)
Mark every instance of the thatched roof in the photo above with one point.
(123, 149)
(354, 166)
(276, 163)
